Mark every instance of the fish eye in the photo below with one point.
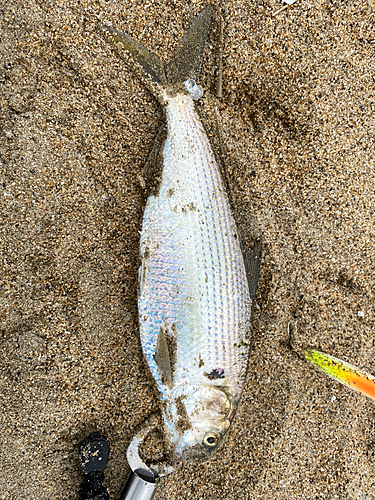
(211, 439)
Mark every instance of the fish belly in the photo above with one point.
(193, 284)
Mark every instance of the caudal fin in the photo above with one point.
(186, 61)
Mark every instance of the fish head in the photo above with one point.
(199, 421)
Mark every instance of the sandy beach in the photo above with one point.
(295, 132)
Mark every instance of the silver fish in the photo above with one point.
(196, 281)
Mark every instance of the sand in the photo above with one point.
(295, 129)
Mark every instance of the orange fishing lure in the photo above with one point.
(343, 372)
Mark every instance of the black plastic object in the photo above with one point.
(93, 458)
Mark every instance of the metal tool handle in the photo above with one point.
(137, 487)
(143, 480)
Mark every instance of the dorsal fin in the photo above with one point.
(252, 265)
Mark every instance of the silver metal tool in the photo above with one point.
(143, 480)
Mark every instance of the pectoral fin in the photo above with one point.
(165, 356)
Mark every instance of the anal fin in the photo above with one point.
(152, 171)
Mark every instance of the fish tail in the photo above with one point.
(186, 61)
(151, 66)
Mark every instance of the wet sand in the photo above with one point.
(295, 129)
